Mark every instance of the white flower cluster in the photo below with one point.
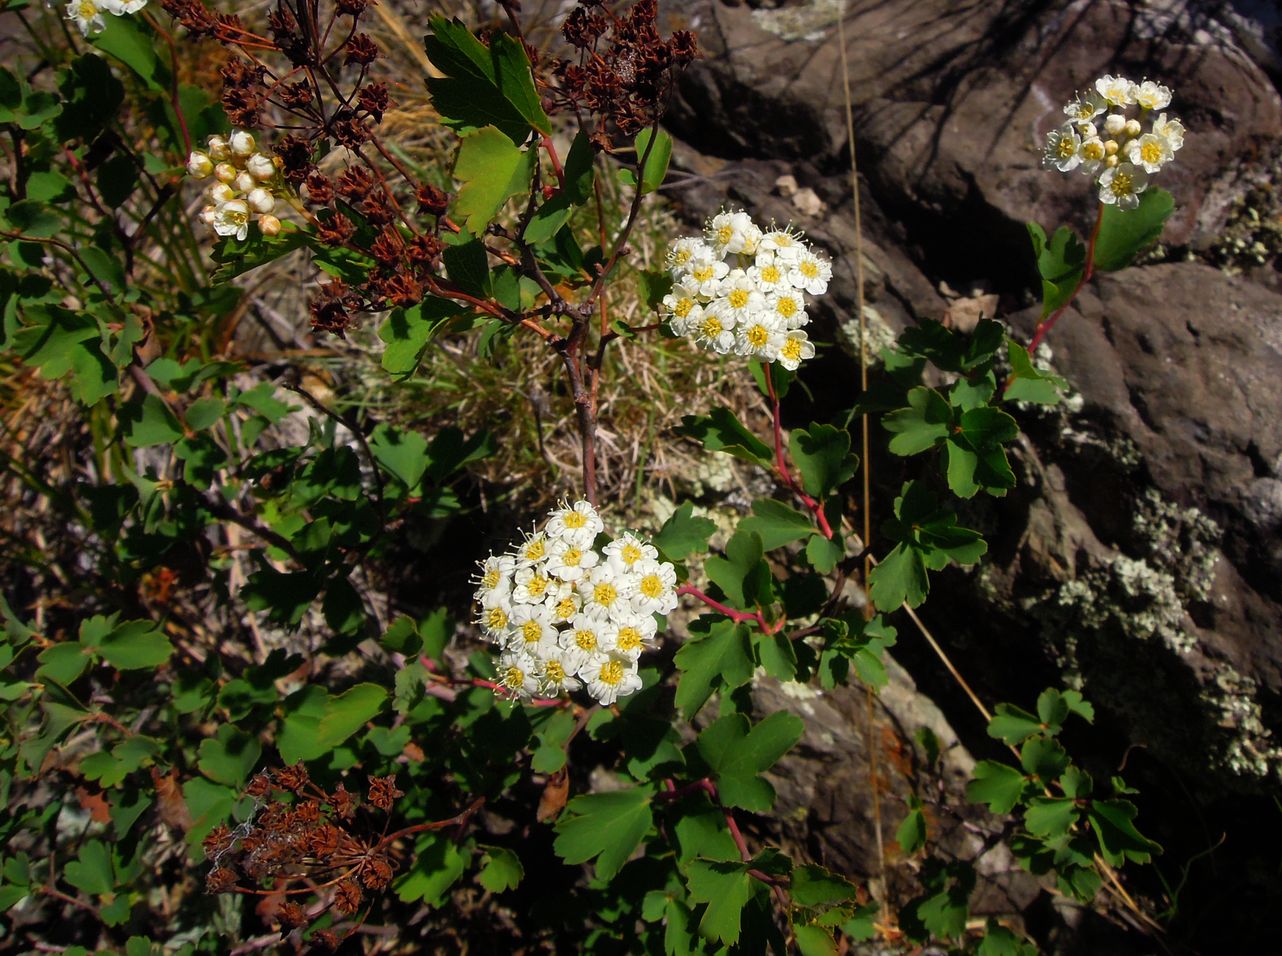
(88, 14)
(246, 184)
(1115, 149)
(566, 615)
(740, 290)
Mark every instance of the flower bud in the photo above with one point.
(1114, 124)
(242, 143)
(225, 173)
(199, 165)
(260, 200)
(1133, 127)
(218, 149)
(245, 182)
(268, 225)
(208, 214)
(221, 193)
(1111, 161)
(1110, 147)
(260, 167)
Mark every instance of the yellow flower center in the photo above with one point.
(783, 240)
(712, 327)
(757, 336)
(703, 273)
(531, 632)
(1093, 151)
(585, 639)
(770, 274)
(1151, 153)
(565, 610)
(1065, 148)
(537, 586)
(496, 618)
(575, 520)
(605, 594)
(651, 586)
(514, 678)
(809, 269)
(786, 306)
(680, 257)
(571, 557)
(88, 9)
(1123, 185)
(791, 350)
(491, 579)
(725, 234)
(629, 638)
(555, 672)
(535, 550)
(611, 673)
(738, 298)
(630, 554)
(683, 308)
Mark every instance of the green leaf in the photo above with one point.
(204, 413)
(726, 889)
(1050, 817)
(229, 756)
(1076, 783)
(1060, 261)
(501, 870)
(703, 833)
(439, 864)
(823, 457)
(815, 886)
(1124, 234)
(923, 424)
(402, 453)
(899, 578)
(987, 426)
(814, 940)
(737, 753)
(999, 941)
(349, 712)
(407, 333)
(91, 871)
(1043, 757)
(654, 150)
(1013, 725)
(579, 174)
(1028, 383)
(133, 645)
(776, 523)
(959, 468)
(492, 170)
(997, 785)
(150, 422)
(124, 40)
(722, 658)
(911, 834)
(742, 574)
(722, 431)
(63, 663)
(1114, 824)
(941, 912)
(483, 85)
(467, 263)
(604, 826)
(683, 534)
(824, 553)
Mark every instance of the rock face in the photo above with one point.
(1140, 557)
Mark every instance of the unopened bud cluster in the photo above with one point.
(1118, 150)
(566, 615)
(741, 290)
(87, 15)
(245, 185)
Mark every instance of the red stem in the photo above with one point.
(781, 463)
(556, 160)
(739, 617)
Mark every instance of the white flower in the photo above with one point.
(811, 272)
(123, 7)
(530, 585)
(564, 605)
(578, 523)
(768, 275)
(1152, 96)
(714, 332)
(556, 676)
(1117, 90)
(685, 250)
(581, 642)
(680, 310)
(1171, 130)
(232, 219)
(655, 587)
(1085, 107)
(495, 577)
(534, 548)
(733, 232)
(260, 167)
(1122, 185)
(629, 636)
(568, 561)
(793, 349)
(789, 308)
(1092, 154)
(496, 622)
(738, 297)
(1149, 151)
(626, 550)
(242, 143)
(609, 677)
(518, 674)
(532, 629)
(781, 244)
(260, 200)
(87, 15)
(1062, 149)
(199, 165)
(602, 589)
(705, 275)
(757, 336)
